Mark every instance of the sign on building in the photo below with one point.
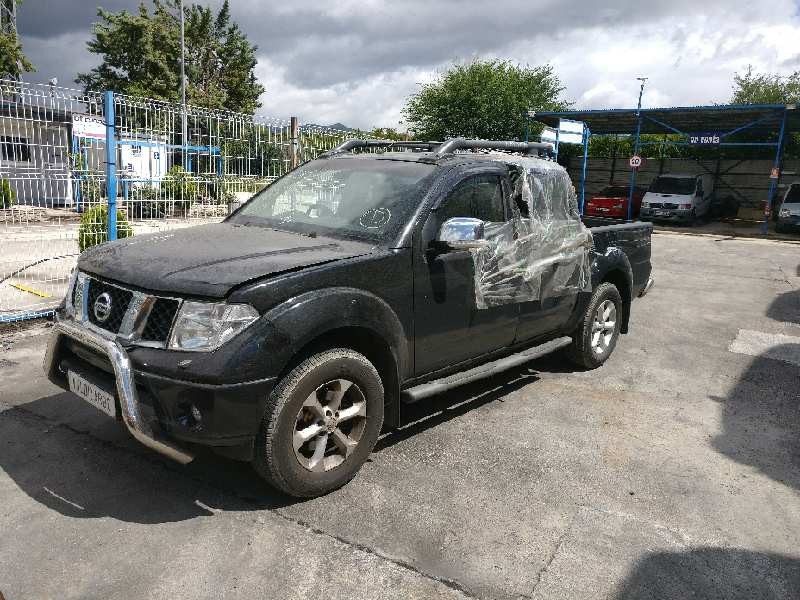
(707, 138)
(569, 132)
(146, 162)
(88, 126)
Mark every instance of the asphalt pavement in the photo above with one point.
(671, 472)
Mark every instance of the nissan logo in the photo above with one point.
(102, 307)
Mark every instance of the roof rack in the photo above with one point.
(348, 145)
(442, 149)
(451, 146)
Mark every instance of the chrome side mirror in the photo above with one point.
(462, 233)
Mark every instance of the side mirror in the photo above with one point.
(462, 233)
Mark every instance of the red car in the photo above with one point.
(612, 202)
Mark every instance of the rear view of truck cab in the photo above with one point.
(678, 198)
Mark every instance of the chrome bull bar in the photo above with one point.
(126, 388)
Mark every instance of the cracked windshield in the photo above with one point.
(350, 198)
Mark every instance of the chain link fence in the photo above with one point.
(172, 168)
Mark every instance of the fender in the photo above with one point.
(616, 261)
(301, 319)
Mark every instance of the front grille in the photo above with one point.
(120, 299)
(655, 205)
(670, 205)
(160, 320)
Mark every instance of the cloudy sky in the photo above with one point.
(356, 61)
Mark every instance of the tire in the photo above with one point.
(304, 406)
(582, 351)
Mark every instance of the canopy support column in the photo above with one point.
(773, 184)
(586, 135)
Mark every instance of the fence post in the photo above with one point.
(295, 142)
(111, 165)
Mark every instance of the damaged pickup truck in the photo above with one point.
(291, 334)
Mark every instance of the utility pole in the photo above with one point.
(643, 80)
(184, 129)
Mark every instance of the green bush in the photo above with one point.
(7, 195)
(93, 229)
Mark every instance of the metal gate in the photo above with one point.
(64, 153)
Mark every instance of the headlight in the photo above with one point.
(205, 326)
(784, 212)
(645, 205)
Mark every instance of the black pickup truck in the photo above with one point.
(291, 334)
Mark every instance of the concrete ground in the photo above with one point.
(671, 472)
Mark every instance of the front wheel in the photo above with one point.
(321, 423)
(596, 336)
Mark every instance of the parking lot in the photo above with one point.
(673, 471)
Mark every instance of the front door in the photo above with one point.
(449, 328)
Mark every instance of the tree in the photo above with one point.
(765, 88)
(13, 62)
(387, 133)
(769, 88)
(141, 56)
(486, 99)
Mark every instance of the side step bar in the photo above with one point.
(431, 388)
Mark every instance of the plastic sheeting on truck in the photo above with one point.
(543, 250)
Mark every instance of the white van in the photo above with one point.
(678, 197)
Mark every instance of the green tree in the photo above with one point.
(387, 133)
(13, 62)
(482, 99)
(769, 88)
(141, 56)
(765, 88)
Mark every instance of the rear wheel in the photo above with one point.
(321, 423)
(596, 336)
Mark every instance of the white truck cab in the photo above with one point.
(678, 197)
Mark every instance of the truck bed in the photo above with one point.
(633, 239)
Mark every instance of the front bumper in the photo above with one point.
(676, 215)
(132, 416)
(790, 222)
(154, 407)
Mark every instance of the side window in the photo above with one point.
(700, 187)
(479, 197)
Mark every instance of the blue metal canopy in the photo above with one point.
(715, 125)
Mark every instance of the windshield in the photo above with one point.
(361, 198)
(793, 195)
(617, 191)
(673, 185)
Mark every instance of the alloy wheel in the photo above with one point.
(603, 326)
(330, 425)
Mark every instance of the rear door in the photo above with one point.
(553, 309)
(448, 327)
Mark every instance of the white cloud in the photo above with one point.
(356, 61)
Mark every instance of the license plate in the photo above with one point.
(661, 213)
(92, 394)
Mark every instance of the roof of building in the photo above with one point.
(755, 118)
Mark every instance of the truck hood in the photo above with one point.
(210, 260)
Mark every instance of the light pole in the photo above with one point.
(184, 141)
(643, 80)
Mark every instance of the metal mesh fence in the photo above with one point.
(53, 182)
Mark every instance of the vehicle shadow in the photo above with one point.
(761, 414)
(66, 456)
(786, 307)
(84, 470)
(712, 573)
(433, 411)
